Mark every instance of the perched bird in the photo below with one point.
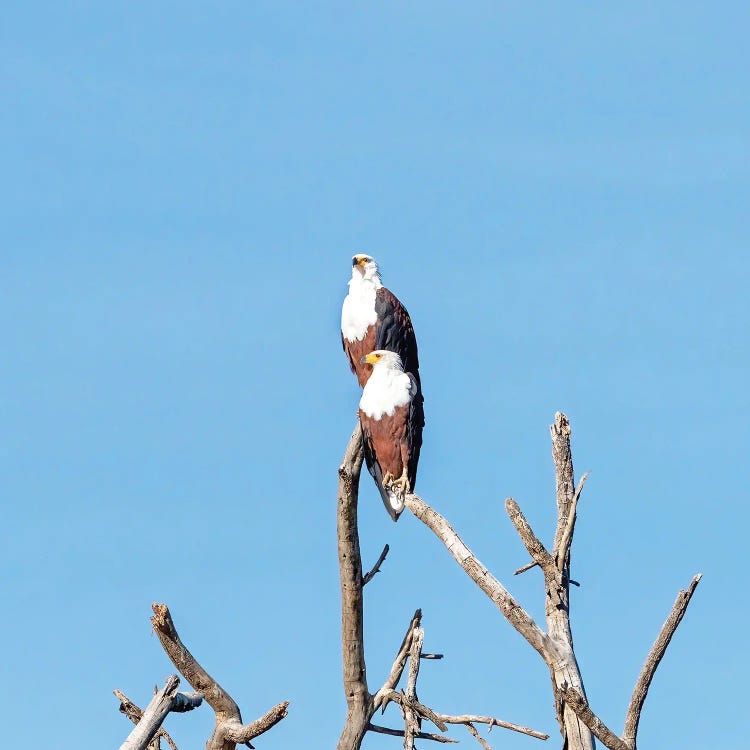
(372, 318)
(392, 417)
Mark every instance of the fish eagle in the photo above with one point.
(372, 318)
(391, 415)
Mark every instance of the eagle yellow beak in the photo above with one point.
(359, 261)
(369, 359)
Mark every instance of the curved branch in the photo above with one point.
(228, 730)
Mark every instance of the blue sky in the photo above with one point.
(558, 194)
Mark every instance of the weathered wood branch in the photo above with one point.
(577, 703)
(148, 724)
(359, 702)
(524, 568)
(412, 723)
(474, 733)
(566, 536)
(535, 548)
(576, 734)
(400, 661)
(578, 723)
(376, 568)
(401, 733)
(361, 706)
(134, 713)
(513, 611)
(653, 659)
(228, 729)
(491, 721)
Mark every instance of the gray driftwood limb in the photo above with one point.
(576, 735)
(359, 702)
(401, 733)
(655, 656)
(361, 705)
(228, 729)
(376, 568)
(134, 713)
(148, 723)
(578, 723)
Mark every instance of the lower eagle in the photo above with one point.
(392, 418)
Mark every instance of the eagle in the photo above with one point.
(392, 418)
(372, 318)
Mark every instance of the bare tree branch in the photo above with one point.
(134, 713)
(400, 661)
(473, 731)
(376, 568)
(526, 567)
(360, 704)
(420, 736)
(566, 537)
(148, 723)
(492, 722)
(535, 548)
(412, 724)
(578, 724)
(358, 699)
(513, 611)
(579, 705)
(228, 730)
(653, 659)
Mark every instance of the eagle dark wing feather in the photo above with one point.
(394, 330)
(414, 431)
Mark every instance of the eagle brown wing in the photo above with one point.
(385, 441)
(355, 350)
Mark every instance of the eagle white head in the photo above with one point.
(383, 359)
(364, 268)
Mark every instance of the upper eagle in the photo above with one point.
(373, 318)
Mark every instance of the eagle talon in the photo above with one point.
(400, 486)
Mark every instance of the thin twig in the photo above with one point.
(473, 730)
(420, 736)
(492, 722)
(653, 659)
(376, 568)
(526, 567)
(566, 537)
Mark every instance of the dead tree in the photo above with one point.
(578, 723)
(361, 704)
(228, 730)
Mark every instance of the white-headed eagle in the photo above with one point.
(391, 415)
(373, 318)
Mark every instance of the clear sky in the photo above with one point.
(558, 193)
